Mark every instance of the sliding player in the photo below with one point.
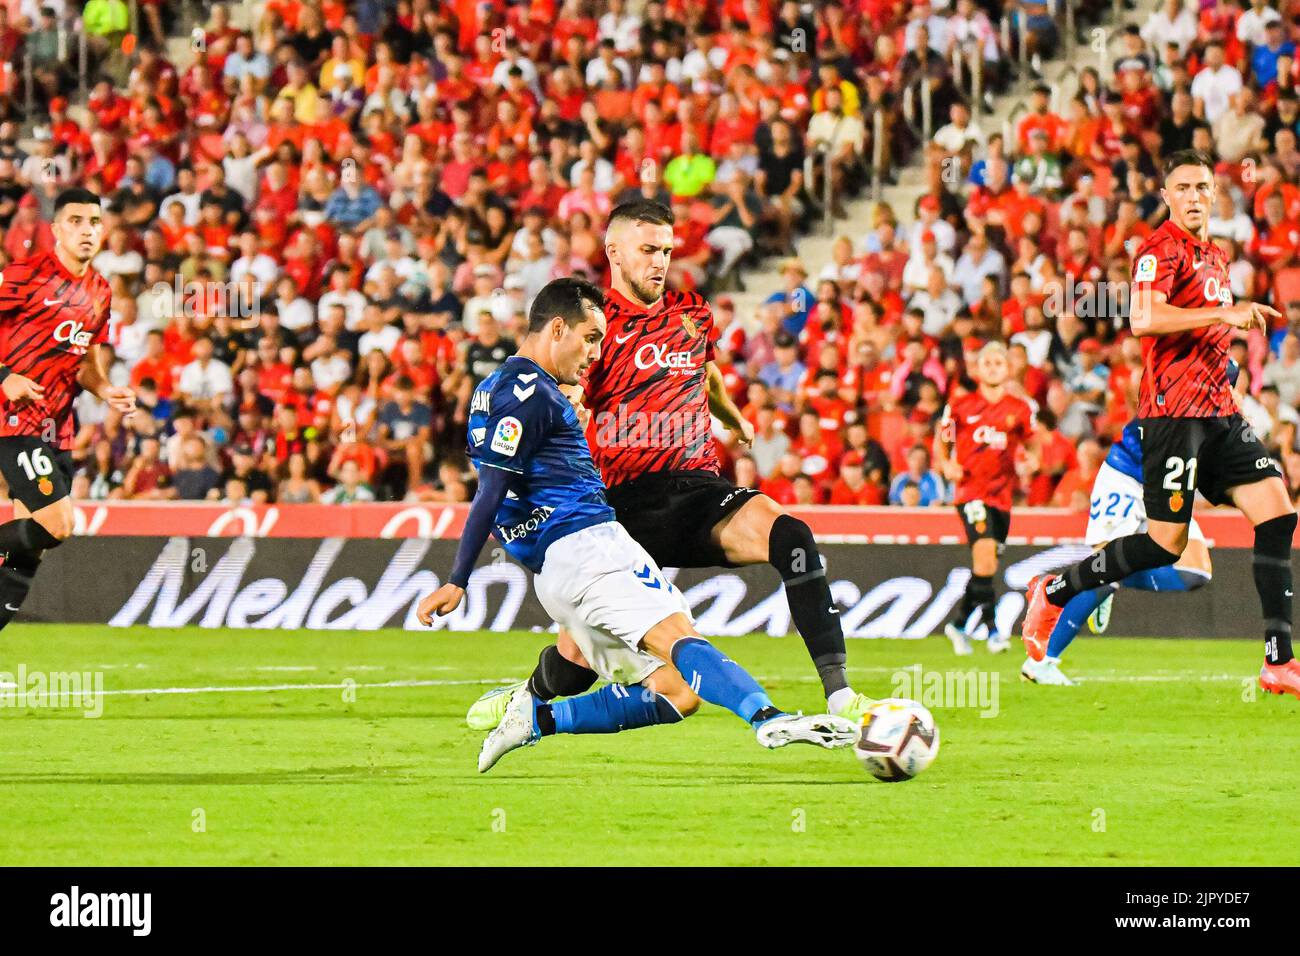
(985, 428)
(1116, 511)
(541, 496)
(53, 317)
(1192, 435)
(650, 396)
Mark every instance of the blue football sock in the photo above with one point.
(1072, 618)
(612, 708)
(1168, 578)
(721, 681)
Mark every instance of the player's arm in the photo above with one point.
(944, 438)
(492, 487)
(93, 377)
(1151, 314)
(721, 405)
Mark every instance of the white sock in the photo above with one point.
(840, 699)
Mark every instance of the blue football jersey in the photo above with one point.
(1125, 455)
(520, 422)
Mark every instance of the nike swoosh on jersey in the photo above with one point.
(52, 301)
(620, 339)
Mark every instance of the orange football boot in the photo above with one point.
(1040, 617)
(1281, 678)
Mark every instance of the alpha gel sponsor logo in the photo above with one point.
(1216, 291)
(72, 333)
(653, 355)
(988, 435)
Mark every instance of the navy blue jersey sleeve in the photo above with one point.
(492, 488)
(508, 421)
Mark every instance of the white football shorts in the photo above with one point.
(603, 586)
(1115, 509)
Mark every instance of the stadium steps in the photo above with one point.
(814, 249)
(243, 15)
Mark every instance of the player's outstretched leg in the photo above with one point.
(667, 695)
(720, 680)
(760, 532)
(662, 698)
(1049, 594)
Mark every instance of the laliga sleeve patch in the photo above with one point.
(1146, 269)
(505, 440)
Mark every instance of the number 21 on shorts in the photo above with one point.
(1175, 470)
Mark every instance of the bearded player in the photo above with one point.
(985, 427)
(650, 396)
(53, 317)
(1192, 435)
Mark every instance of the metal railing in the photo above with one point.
(878, 155)
(924, 127)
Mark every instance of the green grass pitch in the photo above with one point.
(1163, 756)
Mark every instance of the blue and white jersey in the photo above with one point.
(1125, 455)
(520, 422)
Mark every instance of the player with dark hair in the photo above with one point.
(650, 396)
(984, 429)
(542, 497)
(53, 319)
(1193, 437)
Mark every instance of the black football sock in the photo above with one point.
(793, 552)
(1272, 567)
(16, 576)
(962, 612)
(25, 534)
(982, 596)
(1116, 561)
(545, 718)
(557, 676)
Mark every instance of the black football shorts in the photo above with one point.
(1181, 456)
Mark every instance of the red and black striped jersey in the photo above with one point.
(647, 392)
(1184, 375)
(49, 319)
(986, 436)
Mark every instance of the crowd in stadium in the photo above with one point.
(324, 231)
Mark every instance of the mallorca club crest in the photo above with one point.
(1176, 501)
(45, 486)
(691, 328)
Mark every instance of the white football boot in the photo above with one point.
(960, 641)
(1046, 671)
(998, 642)
(515, 730)
(824, 730)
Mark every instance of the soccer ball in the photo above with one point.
(899, 739)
